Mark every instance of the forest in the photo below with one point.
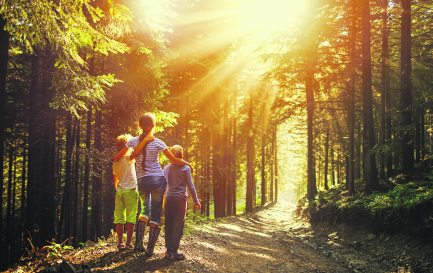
(327, 104)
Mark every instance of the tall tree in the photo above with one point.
(96, 227)
(263, 197)
(406, 140)
(352, 97)
(370, 171)
(40, 198)
(4, 48)
(386, 88)
(325, 181)
(309, 91)
(250, 158)
(86, 178)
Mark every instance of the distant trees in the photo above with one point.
(358, 71)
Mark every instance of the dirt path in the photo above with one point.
(266, 241)
(254, 243)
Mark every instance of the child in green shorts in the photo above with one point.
(125, 204)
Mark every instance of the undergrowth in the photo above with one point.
(398, 196)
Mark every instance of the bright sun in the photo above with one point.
(248, 27)
(273, 14)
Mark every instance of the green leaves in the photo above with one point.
(74, 32)
(56, 250)
(75, 91)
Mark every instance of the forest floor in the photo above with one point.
(268, 240)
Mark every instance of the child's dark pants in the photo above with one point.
(175, 209)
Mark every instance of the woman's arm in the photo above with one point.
(140, 146)
(117, 156)
(175, 160)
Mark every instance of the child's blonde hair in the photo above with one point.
(122, 140)
(177, 151)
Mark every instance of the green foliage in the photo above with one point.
(75, 91)
(73, 32)
(401, 196)
(56, 250)
(165, 119)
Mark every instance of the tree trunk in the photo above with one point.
(86, 183)
(40, 193)
(218, 169)
(13, 233)
(370, 171)
(234, 173)
(250, 159)
(97, 180)
(9, 222)
(311, 170)
(59, 176)
(276, 162)
(23, 189)
(339, 166)
(351, 108)
(66, 213)
(358, 151)
(406, 139)
(332, 166)
(422, 132)
(325, 181)
(386, 89)
(76, 180)
(418, 134)
(263, 174)
(271, 186)
(208, 176)
(4, 49)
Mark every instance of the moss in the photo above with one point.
(401, 196)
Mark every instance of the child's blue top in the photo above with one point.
(178, 180)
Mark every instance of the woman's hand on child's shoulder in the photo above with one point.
(149, 138)
(190, 167)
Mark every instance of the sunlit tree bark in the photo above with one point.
(250, 159)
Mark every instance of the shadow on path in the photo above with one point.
(248, 243)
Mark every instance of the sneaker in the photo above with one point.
(169, 256)
(178, 257)
(120, 247)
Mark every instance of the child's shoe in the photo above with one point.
(120, 247)
(169, 256)
(178, 257)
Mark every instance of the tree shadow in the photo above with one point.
(129, 261)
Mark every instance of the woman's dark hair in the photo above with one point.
(146, 120)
